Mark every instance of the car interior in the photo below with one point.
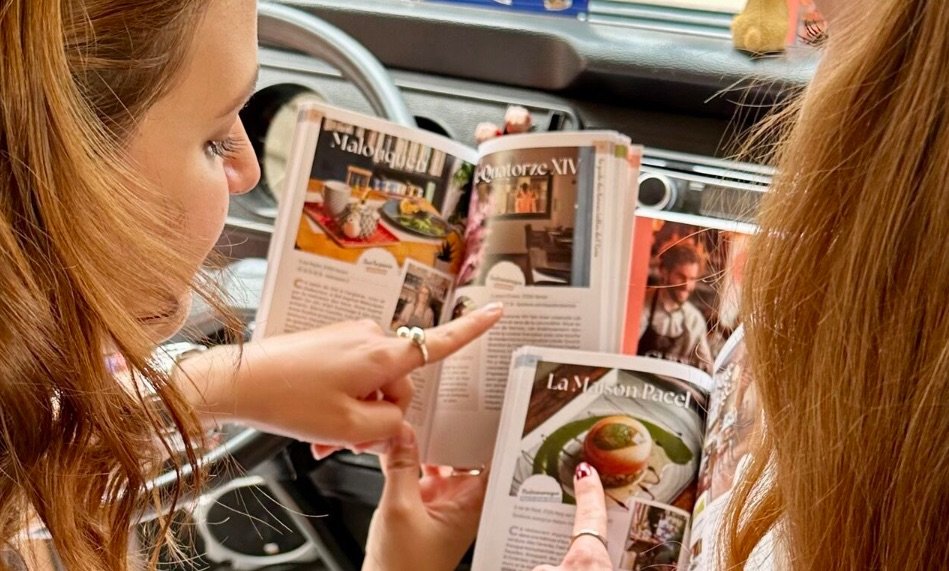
(663, 72)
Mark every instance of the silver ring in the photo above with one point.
(417, 336)
(591, 533)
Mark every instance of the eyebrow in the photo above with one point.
(244, 97)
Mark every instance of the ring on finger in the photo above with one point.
(417, 336)
(591, 533)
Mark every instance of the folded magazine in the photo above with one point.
(667, 440)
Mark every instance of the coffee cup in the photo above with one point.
(336, 196)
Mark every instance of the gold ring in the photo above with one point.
(417, 336)
(591, 533)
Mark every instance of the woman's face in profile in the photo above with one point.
(191, 143)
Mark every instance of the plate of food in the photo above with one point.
(633, 455)
(375, 235)
(412, 216)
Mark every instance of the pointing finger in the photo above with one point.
(591, 505)
(587, 550)
(444, 340)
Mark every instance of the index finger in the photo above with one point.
(591, 503)
(588, 546)
(445, 339)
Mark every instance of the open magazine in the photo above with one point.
(406, 227)
(666, 439)
(668, 431)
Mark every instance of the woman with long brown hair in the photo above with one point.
(847, 320)
(119, 144)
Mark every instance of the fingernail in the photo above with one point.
(493, 307)
(583, 470)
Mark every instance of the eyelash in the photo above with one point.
(226, 148)
(815, 33)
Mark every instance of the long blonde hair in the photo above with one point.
(89, 257)
(847, 306)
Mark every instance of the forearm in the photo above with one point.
(209, 381)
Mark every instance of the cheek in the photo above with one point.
(828, 8)
(205, 202)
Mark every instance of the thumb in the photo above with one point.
(402, 469)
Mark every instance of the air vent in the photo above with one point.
(691, 184)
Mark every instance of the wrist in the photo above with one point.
(209, 380)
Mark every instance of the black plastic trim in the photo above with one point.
(669, 68)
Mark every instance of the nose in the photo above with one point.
(243, 170)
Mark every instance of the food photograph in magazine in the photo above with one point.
(641, 431)
(368, 189)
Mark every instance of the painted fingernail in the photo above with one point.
(493, 307)
(583, 470)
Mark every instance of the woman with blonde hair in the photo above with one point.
(120, 142)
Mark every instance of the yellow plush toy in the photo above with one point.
(762, 27)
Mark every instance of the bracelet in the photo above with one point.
(166, 357)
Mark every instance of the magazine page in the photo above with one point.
(640, 422)
(684, 286)
(541, 210)
(734, 417)
(624, 235)
(371, 226)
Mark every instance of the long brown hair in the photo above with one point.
(847, 305)
(88, 259)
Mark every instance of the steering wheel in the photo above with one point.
(285, 27)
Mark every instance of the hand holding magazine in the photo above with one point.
(408, 228)
(640, 422)
(666, 453)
